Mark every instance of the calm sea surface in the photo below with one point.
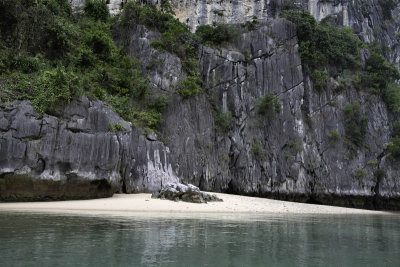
(28, 239)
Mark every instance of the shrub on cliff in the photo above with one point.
(391, 96)
(37, 26)
(320, 79)
(223, 120)
(217, 34)
(159, 103)
(49, 56)
(387, 7)
(333, 137)
(379, 174)
(326, 50)
(258, 150)
(10, 62)
(54, 87)
(189, 86)
(396, 128)
(96, 9)
(394, 147)
(97, 38)
(323, 45)
(378, 73)
(355, 125)
(379, 78)
(116, 127)
(269, 105)
(176, 37)
(250, 25)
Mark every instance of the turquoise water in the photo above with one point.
(206, 240)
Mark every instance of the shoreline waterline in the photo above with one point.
(143, 203)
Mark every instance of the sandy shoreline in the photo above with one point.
(232, 204)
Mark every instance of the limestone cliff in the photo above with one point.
(366, 17)
(288, 157)
(77, 146)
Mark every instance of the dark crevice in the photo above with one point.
(232, 188)
(123, 188)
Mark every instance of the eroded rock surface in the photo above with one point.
(77, 146)
(297, 160)
(187, 193)
(294, 160)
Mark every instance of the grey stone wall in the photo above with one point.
(297, 159)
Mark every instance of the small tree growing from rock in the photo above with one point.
(269, 105)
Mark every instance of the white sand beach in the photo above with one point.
(231, 204)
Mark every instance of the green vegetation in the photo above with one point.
(49, 56)
(379, 78)
(323, 45)
(96, 10)
(379, 174)
(117, 127)
(327, 51)
(372, 162)
(333, 137)
(387, 7)
(320, 79)
(356, 127)
(218, 13)
(217, 34)
(175, 36)
(223, 120)
(396, 128)
(251, 25)
(159, 103)
(189, 86)
(35, 38)
(360, 174)
(394, 147)
(52, 33)
(294, 145)
(269, 105)
(349, 79)
(53, 87)
(258, 150)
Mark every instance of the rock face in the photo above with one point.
(296, 160)
(365, 17)
(114, 6)
(286, 156)
(187, 193)
(76, 147)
